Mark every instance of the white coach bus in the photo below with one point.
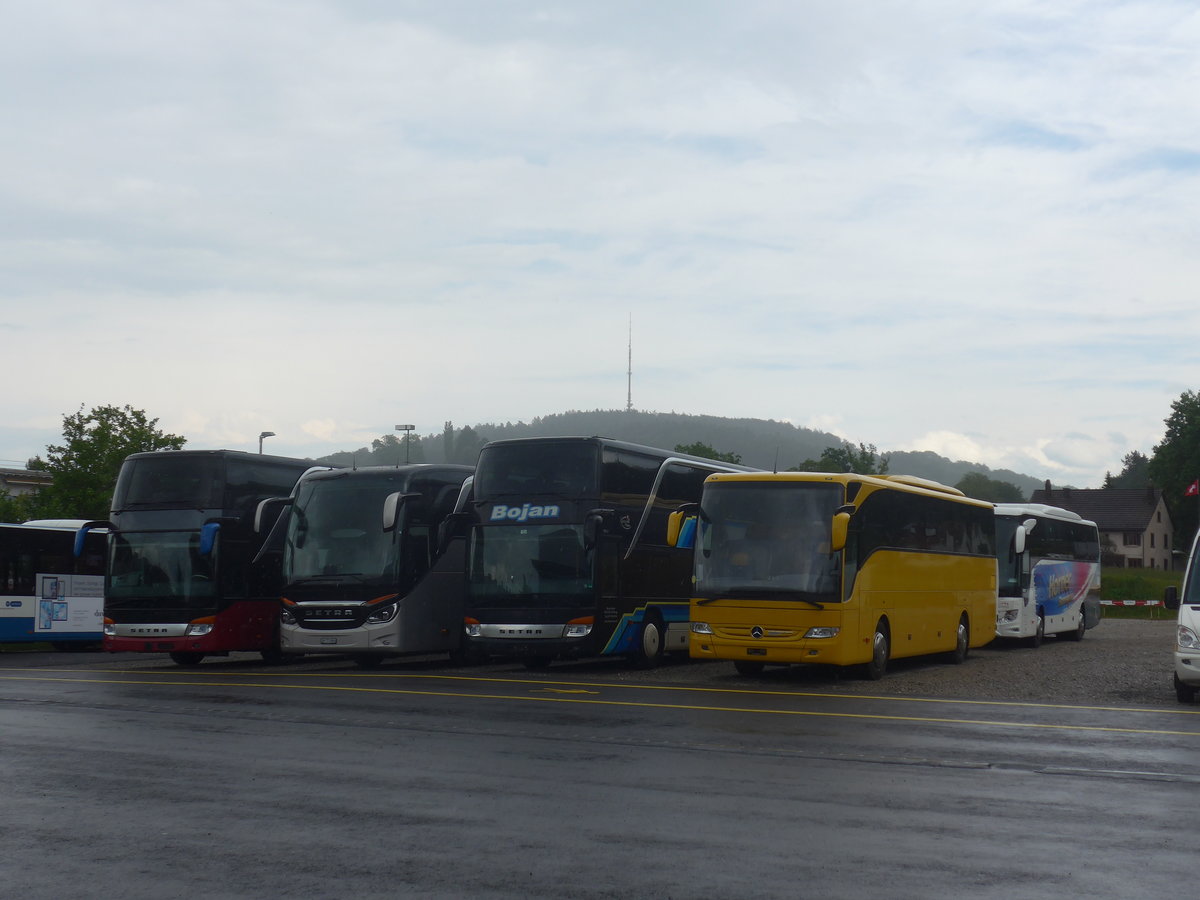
(1049, 572)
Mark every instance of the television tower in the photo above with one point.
(629, 372)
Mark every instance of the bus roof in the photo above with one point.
(1040, 509)
(904, 482)
(614, 444)
(235, 454)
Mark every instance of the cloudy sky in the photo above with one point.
(963, 227)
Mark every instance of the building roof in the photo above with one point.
(24, 478)
(1112, 509)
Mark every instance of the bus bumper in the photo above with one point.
(794, 652)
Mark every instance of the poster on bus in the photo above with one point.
(69, 604)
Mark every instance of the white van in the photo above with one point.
(1187, 636)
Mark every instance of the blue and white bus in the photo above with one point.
(1049, 572)
(47, 594)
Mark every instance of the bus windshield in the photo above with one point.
(161, 564)
(528, 469)
(536, 563)
(1008, 563)
(167, 480)
(336, 530)
(772, 539)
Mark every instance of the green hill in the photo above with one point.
(763, 443)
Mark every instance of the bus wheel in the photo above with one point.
(880, 651)
(1036, 640)
(1077, 633)
(368, 660)
(746, 667)
(650, 644)
(962, 641)
(1184, 693)
(537, 663)
(187, 659)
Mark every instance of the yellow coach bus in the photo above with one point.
(842, 570)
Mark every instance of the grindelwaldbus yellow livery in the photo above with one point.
(800, 567)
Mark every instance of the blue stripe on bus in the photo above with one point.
(626, 634)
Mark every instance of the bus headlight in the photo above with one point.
(383, 615)
(286, 617)
(577, 631)
(199, 629)
(110, 629)
(1010, 616)
(1186, 639)
(823, 632)
(472, 628)
(701, 628)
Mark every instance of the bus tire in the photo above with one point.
(182, 658)
(1040, 633)
(881, 649)
(1184, 693)
(747, 667)
(962, 641)
(649, 651)
(1076, 634)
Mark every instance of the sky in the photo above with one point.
(969, 228)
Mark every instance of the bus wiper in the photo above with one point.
(738, 592)
(335, 578)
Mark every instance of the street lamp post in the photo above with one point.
(407, 429)
(264, 434)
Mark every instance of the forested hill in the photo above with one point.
(763, 443)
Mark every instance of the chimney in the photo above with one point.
(1049, 490)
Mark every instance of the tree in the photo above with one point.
(86, 463)
(1175, 463)
(463, 447)
(1135, 472)
(979, 486)
(704, 450)
(391, 450)
(14, 509)
(866, 460)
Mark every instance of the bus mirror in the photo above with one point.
(681, 530)
(840, 528)
(1171, 597)
(1019, 540)
(449, 528)
(82, 533)
(267, 513)
(674, 524)
(208, 537)
(392, 504)
(593, 527)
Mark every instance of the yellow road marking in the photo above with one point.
(628, 703)
(599, 686)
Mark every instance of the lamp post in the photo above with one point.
(407, 429)
(264, 434)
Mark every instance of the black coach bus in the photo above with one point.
(567, 554)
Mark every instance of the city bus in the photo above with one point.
(47, 593)
(182, 577)
(364, 571)
(1048, 562)
(567, 556)
(843, 570)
